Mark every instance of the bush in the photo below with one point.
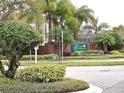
(65, 86)
(39, 57)
(77, 53)
(15, 39)
(115, 52)
(42, 73)
(88, 53)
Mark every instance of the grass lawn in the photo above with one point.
(93, 63)
(103, 57)
(64, 86)
(27, 63)
(80, 62)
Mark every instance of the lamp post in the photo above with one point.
(62, 50)
(58, 20)
(63, 24)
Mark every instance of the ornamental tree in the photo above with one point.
(105, 39)
(15, 39)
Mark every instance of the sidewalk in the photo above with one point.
(118, 88)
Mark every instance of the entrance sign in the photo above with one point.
(79, 47)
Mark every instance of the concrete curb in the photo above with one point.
(91, 89)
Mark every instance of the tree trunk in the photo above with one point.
(105, 47)
(2, 68)
(50, 24)
(50, 21)
(75, 36)
(13, 65)
(65, 47)
(96, 30)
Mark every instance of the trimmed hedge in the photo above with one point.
(115, 52)
(65, 86)
(39, 57)
(42, 73)
(89, 53)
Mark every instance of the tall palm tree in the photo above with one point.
(50, 9)
(85, 14)
(95, 25)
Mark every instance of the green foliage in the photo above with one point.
(119, 44)
(103, 26)
(93, 63)
(42, 73)
(65, 8)
(56, 35)
(51, 5)
(105, 39)
(40, 57)
(68, 38)
(65, 86)
(112, 40)
(115, 52)
(77, 53)
(73, 24)
(119, 30)
(15, 39)
(85, 14)
(29, 9)
(88, 53)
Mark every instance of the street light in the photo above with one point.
(63, 23)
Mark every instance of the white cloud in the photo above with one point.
(110, 11)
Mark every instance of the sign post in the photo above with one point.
(36, 48)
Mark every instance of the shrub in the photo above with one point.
(16, 38)
(115, 52)
(65, 86)
(77, 53)
(95, 52)
(42, 73)
(39, 57)
(89, 53)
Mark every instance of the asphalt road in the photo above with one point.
(105, 77)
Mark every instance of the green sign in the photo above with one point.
(79, 47)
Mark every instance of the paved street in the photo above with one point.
(101, 76)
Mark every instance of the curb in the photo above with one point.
(91, 89)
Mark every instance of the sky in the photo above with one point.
(108, 11)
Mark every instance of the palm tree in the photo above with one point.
(84, 14)
(50, 10)
(95, 25)
(34, 13)
(74, 25)
(104, 39)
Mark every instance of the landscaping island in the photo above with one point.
(64, 86)
(47, 78)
